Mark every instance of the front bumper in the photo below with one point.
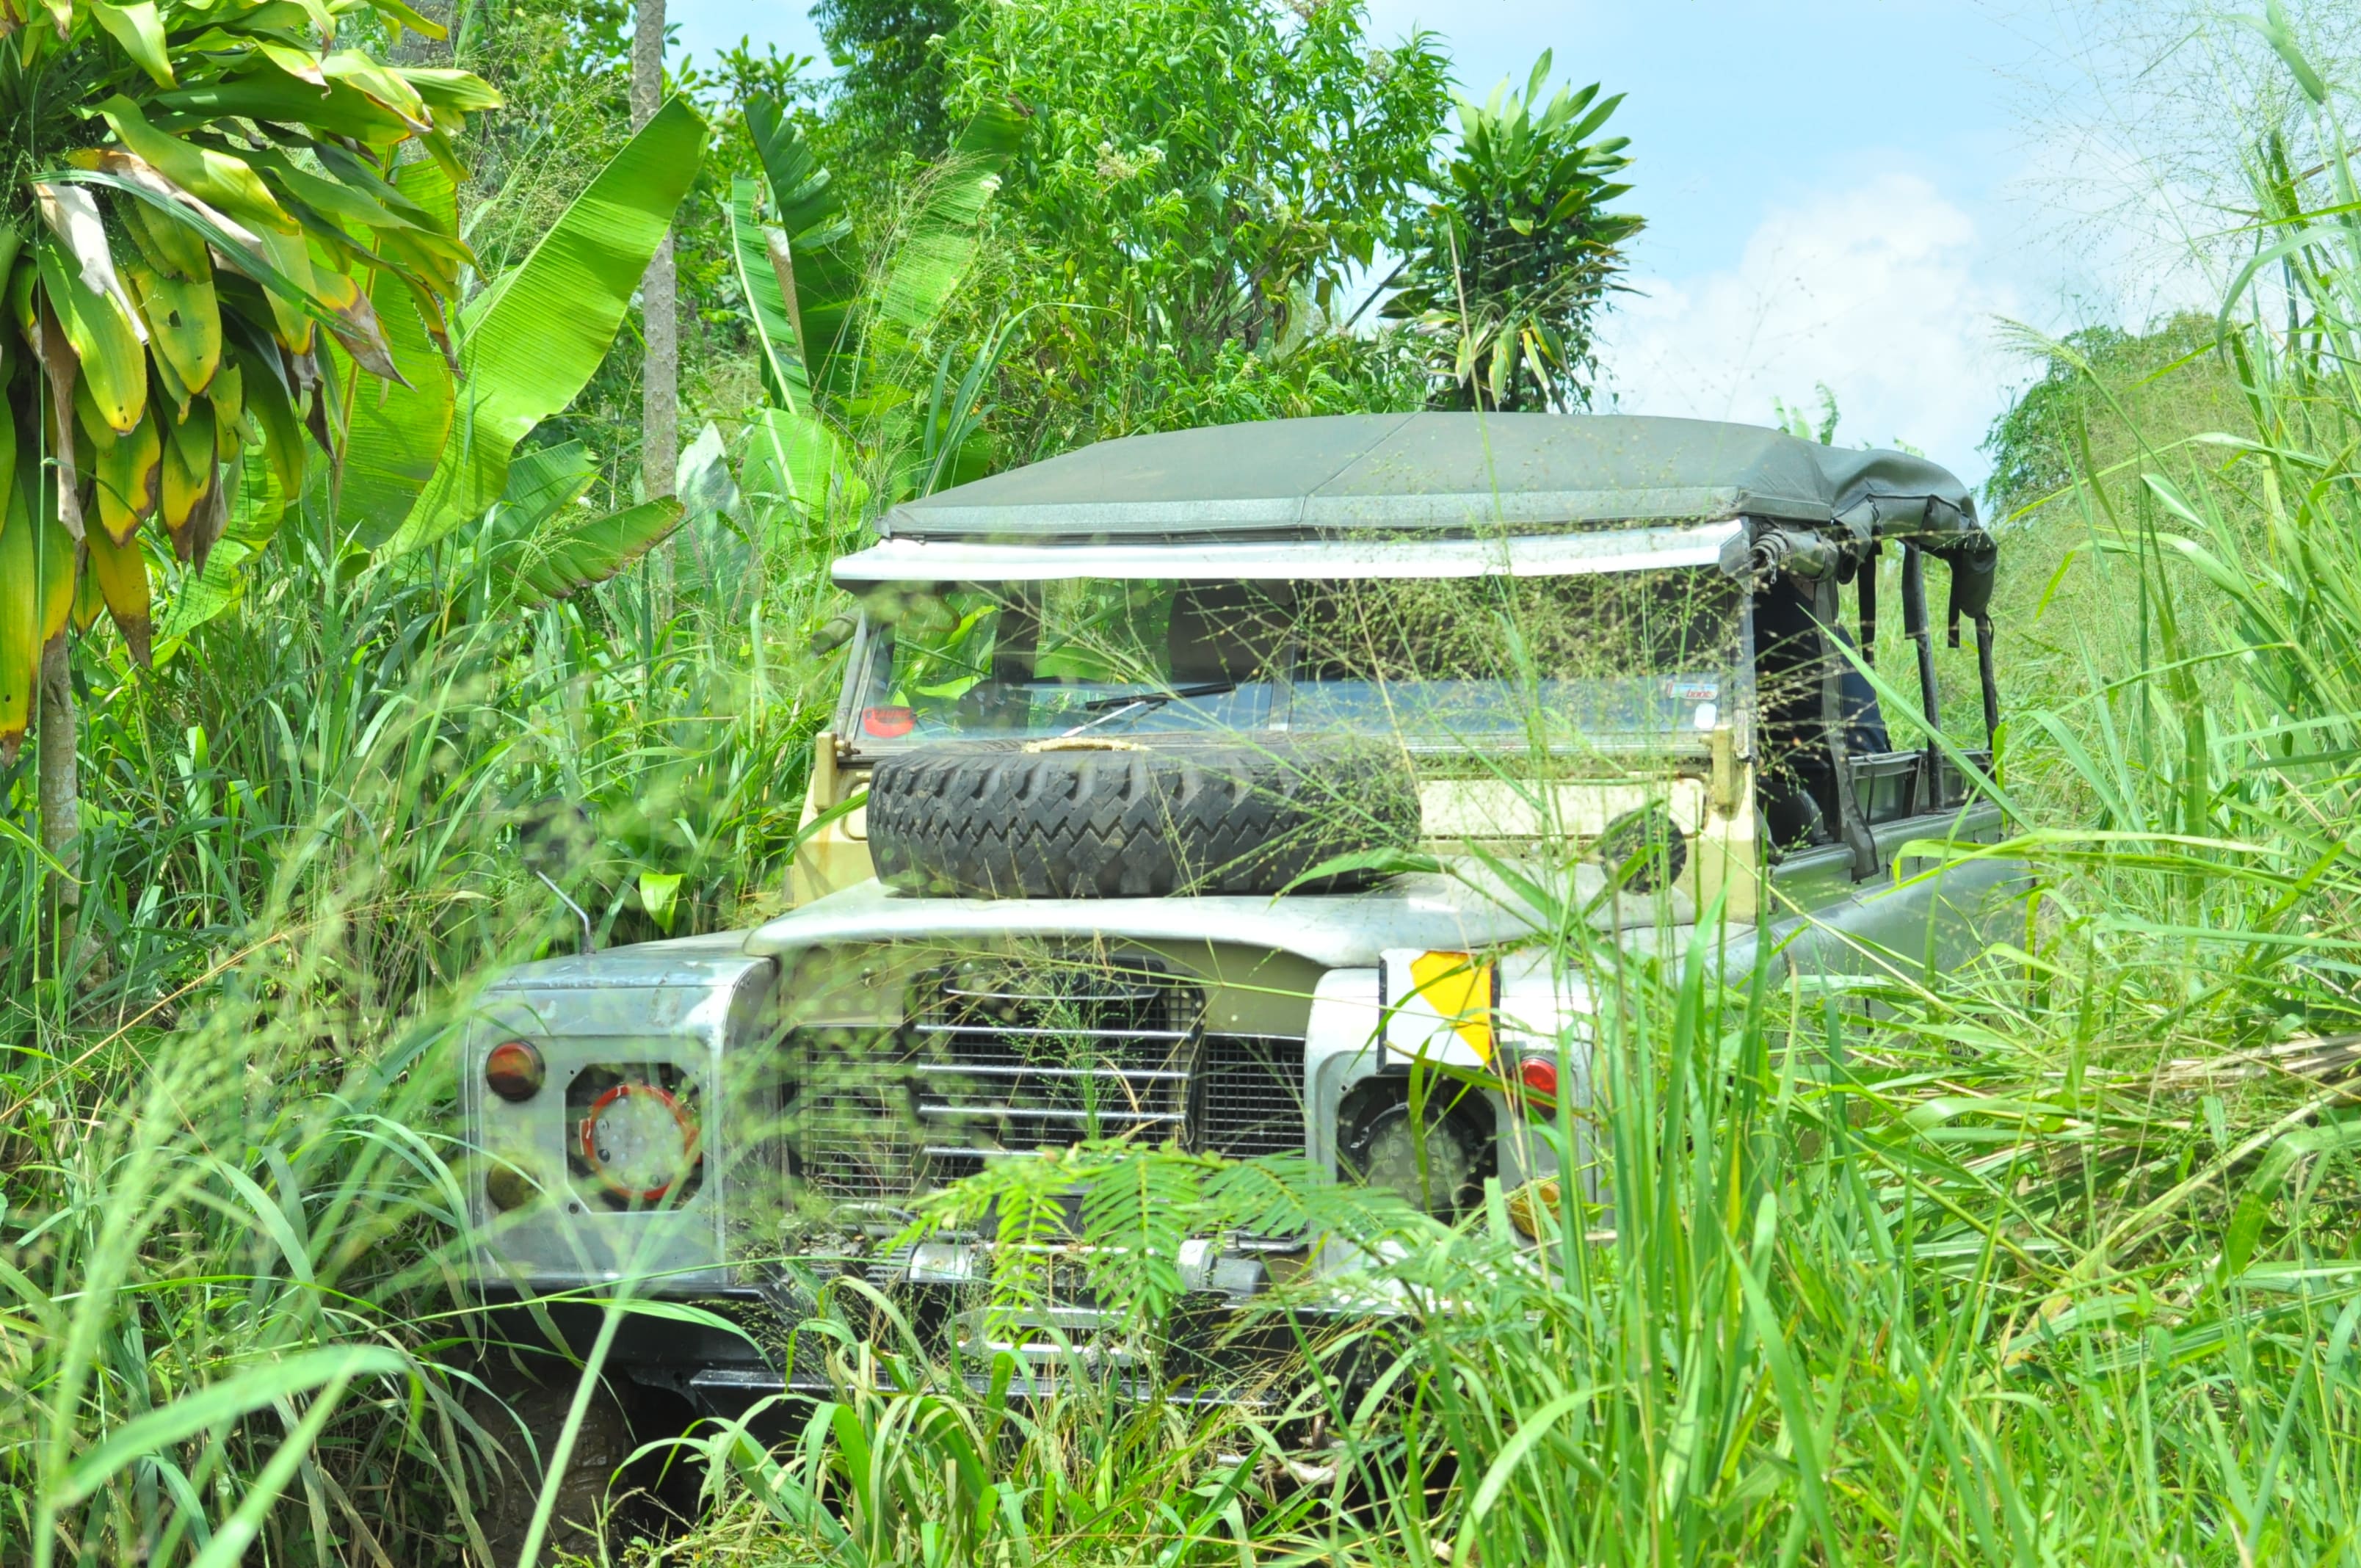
(856, 1323)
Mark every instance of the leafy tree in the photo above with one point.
(888, 109)
(204, 229)
(563, 68)
(1193, 173)
(1507, 269)
(425, 460)
(2099, 388)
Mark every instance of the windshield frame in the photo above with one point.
(1502, 553)
(1737, 707)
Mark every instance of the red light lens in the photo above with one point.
(514, 1070)
(887, 723)
(1539, 1077)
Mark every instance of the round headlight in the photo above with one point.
(1439, 1167)
(514, 1070)
(639, 1140)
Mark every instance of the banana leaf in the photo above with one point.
(760, 280)
(540, 482)
(932, 260)
(808, 280)
(798, 459)
(20, 613)
(802, 283)
(396, 436)
(554, 561)
(535, 338)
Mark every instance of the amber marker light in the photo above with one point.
(514, 1070)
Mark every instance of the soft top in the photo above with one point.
(1351, 473)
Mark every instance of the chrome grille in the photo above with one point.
(1004, 1056)
(1250, 1095)
(1015, 1055)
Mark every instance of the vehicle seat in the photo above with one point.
(1222, 631)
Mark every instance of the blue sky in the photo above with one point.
(1838, 190)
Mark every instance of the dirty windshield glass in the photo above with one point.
(1617, 658)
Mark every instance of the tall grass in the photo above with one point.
(2052, 1259)
(228, 1308)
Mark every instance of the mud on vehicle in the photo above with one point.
(1200, 788)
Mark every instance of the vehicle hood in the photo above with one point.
(1465, 909)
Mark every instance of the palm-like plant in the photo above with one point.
(1512, 259)
(866, 410)
(194, 198)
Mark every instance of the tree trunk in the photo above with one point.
(660, 440)
(58, 786)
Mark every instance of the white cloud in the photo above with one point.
(1885, 292)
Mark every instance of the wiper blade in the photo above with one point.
(1132, 707)
(1157, 699)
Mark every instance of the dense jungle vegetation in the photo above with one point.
(332, 575)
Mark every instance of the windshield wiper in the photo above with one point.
(1157, 699)
(1125, 707)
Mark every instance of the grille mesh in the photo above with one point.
(855, 1119)
(1015, 1055)
(1251, 1095)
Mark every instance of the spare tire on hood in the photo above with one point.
(1137, 817)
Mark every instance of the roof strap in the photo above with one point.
(1869, 601)
(1991, 687)
(1915, 627)
(1833, 665)
(1975, 562)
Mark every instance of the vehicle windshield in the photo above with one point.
(1624, 660)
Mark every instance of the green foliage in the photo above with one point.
(138, 1380)
(1138, 1204)
(194, 195)
(564, 67)
(1201, 167)
(539, 544)
(1192, 175)
(886, 114)
(533, 337)
(1795, 422)
(2098, 388)
(1508, 269)
(867, 410)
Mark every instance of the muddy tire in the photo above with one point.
(526, 1414)
(1143, 818)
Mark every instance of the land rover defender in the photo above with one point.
(1199, 788)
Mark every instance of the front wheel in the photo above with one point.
(526, 1415)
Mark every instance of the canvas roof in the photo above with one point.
(1453, 472)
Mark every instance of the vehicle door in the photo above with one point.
(1845, 785)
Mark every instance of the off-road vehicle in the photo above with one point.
(1197, 787)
